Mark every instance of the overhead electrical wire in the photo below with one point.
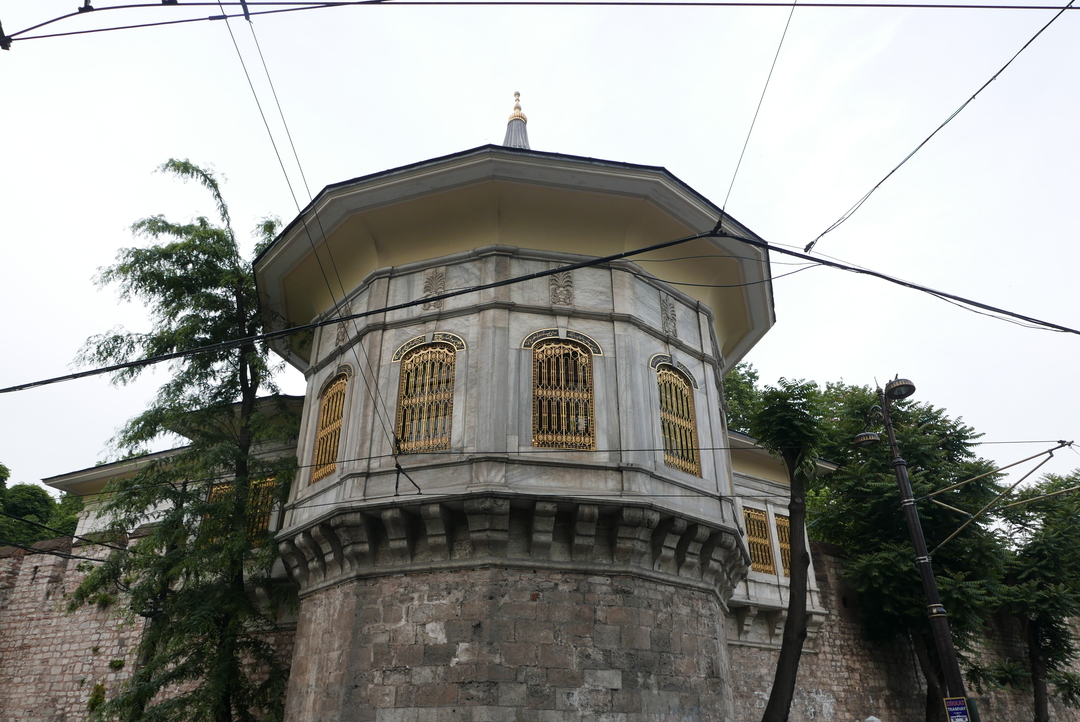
(753, 121)
(286, 7)
(48, 552)
(380, 413)
(283, 333)
(523, 454)
(858, 204)
(61, 533)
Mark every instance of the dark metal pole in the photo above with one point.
(939, 622)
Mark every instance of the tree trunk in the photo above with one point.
(935, 697)
(787, 665)
(1037, 662)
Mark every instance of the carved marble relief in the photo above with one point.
(562, 289)
(667, 316)
(434, 285)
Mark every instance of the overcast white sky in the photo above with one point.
(986, 210)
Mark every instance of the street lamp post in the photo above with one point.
(939, 622)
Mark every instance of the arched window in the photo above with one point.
(677, 422)
(426, 399)
(328, 436)
(563, 395)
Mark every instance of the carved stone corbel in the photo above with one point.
(313, 555)
(354, 536)
(775, 626)
(665, 542)
(543, 527)
(633, 532)
(689, 552)
(436, 522)
(294, 560)
(585, 532)
(398, 535)
(330, 549)
(744, 620)
(489, 525)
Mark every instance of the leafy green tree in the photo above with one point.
(35, 504)
(203, 550)
(858, 508)
(785, 421)
(65, 514)
(1042, 587)
(742, 394)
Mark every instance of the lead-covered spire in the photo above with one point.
(516, 134)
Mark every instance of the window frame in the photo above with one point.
(676, 424)
(754, 519)
(334, 394)
(545, 434)
(442, 440)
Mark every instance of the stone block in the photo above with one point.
(603, 678)
(535, 631)
(552, 656)
(636, 638)
(499, 630)
(397, 715)
(566, 699)
(607, 636)
(479, 693)
(439, 654)
(461, 630)
(540, 696)
(437, 695)
(494, 714)
(626, 700)
(565, 677)
(532, 675)
(512, 694)
(520, 655)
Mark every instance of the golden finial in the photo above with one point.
(517, 114)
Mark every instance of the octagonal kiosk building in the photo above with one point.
(515, 499)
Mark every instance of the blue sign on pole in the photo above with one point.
(957, 709)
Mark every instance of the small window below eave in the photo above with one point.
(758, 540)
(783, 536)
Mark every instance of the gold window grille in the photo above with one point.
(677, 421)
(259, 507)
(426, 399)
(757, 538)
(328, 436)
(563, 415)
(783, 535)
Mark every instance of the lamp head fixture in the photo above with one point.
(899, 388)
(866, 439)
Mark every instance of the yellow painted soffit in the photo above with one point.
(523, 215)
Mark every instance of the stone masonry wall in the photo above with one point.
(503, 644)
(849, 679)
(50, 661)
(490, 644)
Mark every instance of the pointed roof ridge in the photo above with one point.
(516, 134)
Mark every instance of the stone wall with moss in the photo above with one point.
(848, 678)
(54, 666)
